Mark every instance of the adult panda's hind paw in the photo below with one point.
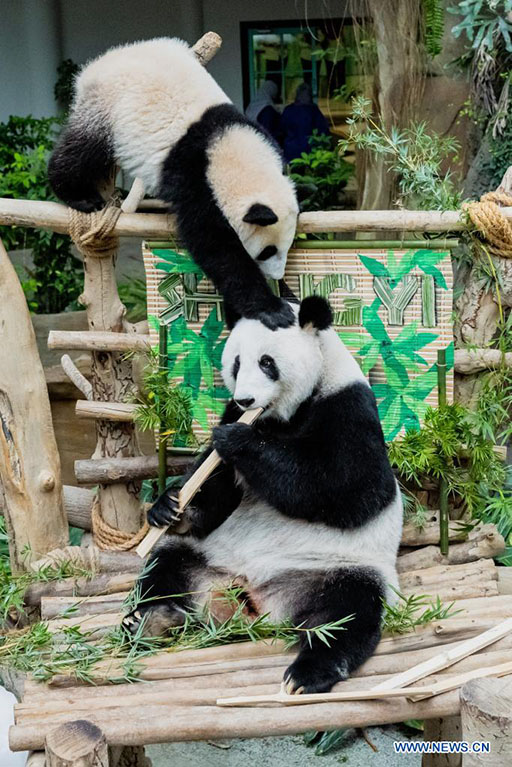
(311, 675)
(153, 620)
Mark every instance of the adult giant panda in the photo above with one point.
(154, 110)
(305, 512)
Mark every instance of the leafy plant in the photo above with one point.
(453, 445)
(320, 174)
(415, 155)
(433, 24)
(56, 279)
(133, 294)
(484, 22)
(402, 617)
(163, 405)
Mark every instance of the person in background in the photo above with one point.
(261, 109)
(298, 122)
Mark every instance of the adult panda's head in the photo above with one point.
(277, 369)
(245, 174)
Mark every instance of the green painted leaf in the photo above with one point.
(374, 266)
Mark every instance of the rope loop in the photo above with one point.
(92, 233)
(487, 216)
(110, 538)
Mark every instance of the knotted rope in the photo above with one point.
(110, 538)
(487, 216)
(92, 233)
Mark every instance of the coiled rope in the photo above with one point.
(488, 217)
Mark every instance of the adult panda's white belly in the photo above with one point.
(257, 542)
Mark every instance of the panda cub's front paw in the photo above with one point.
(309, 675)
(230, 439)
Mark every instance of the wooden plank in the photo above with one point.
(30, 478)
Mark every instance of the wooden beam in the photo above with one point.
(469, 361)
(160, 226)
(108, 470)
(105, 411)
(97, 341)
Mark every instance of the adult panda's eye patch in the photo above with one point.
(267, 253)
(269, 367)
(236, 366)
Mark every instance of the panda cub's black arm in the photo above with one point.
(218, 497)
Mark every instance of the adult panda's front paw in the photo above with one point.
(309, 675)
(165, 511)
(231, 439)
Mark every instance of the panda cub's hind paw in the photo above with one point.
(309, 675)
(153, 620)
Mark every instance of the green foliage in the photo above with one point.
(415, 155)
(56, 280)
(433, 25)
(402, 617)
(320, 174)
(63, 89)
(485, 23)
(134, 296)
(161, 405)
(76, 652)
(453, 444)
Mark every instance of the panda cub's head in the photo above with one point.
(277, 369)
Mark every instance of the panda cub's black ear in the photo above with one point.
(315, 311)
(261, 215)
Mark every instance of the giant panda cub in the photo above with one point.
(304, 513)
(151, 108)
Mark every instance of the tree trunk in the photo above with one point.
(445, 728)
(486, 713)
(30, 480)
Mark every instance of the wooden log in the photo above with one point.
(206, 47)
(444, 728)
(90, 558)
(483, 569)
(76, 744)
(80, 587)
(106, 470)
(78, 505)
(504, 580)
(30, 479)
(97, 341)
(159, 226)
(486, 714)
(75, 376)
(165, 723)
(468, 361)
(55, 607)
(36, 759)
(110, 411)
(489, 546)
(429, 533)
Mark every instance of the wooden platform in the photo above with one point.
(176, 697)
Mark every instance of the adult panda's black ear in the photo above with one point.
(315, 312)
(261, 215)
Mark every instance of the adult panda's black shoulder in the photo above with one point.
(151, 108)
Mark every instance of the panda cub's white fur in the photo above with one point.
(148, 93)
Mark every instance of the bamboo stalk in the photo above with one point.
(162, 438)
(448, 657)
(191, 487)
(98, 341)
(443, 487)
(415, 693)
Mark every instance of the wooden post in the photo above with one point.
(30, 480)
(76, 744)
(444, 728)
(486, 714)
